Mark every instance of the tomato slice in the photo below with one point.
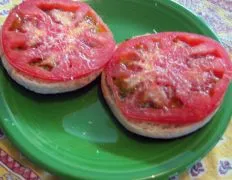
(56, 40)
(170, 77)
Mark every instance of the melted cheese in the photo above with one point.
(146, 65)
(76, 31)
(62, 38)
(65, 18)
(35, 34)
(171, 69)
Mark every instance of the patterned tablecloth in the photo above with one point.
(216, 165)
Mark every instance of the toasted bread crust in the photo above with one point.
(43, 87)
(150, 129)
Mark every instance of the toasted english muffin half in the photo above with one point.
(55, 46)
(168, 84)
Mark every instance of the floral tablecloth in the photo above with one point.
(216, 165)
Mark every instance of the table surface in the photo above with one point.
(216, 165)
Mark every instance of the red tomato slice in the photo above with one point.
(56, 40)
(176, 78)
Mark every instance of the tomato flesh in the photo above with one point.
(57, 40)
(176, 78)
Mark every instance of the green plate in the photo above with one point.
(75, 135)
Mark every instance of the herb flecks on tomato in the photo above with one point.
(168, 77)
(56, 40)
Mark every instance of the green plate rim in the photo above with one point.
(50, 163)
